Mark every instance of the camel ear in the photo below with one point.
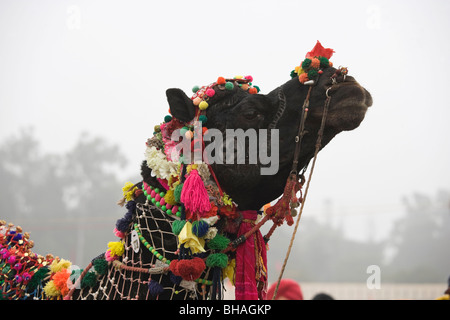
(180, 104)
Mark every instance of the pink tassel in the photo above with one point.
(194, 194)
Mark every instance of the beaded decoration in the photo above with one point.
(315, 60)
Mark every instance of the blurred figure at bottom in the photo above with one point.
(446, 295)
(288, 290)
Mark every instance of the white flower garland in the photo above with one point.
(161, 168)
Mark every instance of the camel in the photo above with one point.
(193, 220)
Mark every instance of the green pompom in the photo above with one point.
(219, 242)
(217, 260)
(203, 119)
(293, 74)
(177, 192)
(177, 226)
(184, 130)
(37, 278)
(195, 89)
(324, 62)
(306, 63)
(89, 280)
(167, 118)
(101, 266)
(312, 73)
(229, 85)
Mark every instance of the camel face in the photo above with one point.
(280, 111)
(349, 101)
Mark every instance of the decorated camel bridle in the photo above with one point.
(284, 210)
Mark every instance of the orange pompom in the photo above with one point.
(303, 77)
(221, 80)
(204, 129)
(253, 91)
(60, 280)
(315, 63)
(244, 87)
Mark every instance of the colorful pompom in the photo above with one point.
(324, 62)
(219, 242)
(221, 80)
(197, 101)
(195, 89)
(190, 269)
(101, 266)
(217, 260)
(253, 91)
(116, 248)
(60, 281)
(51, 290)
(169, 197)
(58, 265)
(203, 119)
(312, 73)
(167, 118)
(177, 226)
(229, 85)
(200, 228)
(177, 192)
(89, 280)
(184, 130)
(210, 92)
(306, 63)
(315, 63)
(155, 288)
(303, 77)
(203, 105)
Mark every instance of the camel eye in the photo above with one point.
(250, 114)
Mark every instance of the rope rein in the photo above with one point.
(318, 145)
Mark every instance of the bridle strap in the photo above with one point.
(316, 151)
(300, 134)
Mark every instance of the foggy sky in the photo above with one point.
(103, 67)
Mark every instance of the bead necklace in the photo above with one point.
(149, 247)
(156, 196)
(160, 256)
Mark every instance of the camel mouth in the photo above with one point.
(349, 104)
(351, 94)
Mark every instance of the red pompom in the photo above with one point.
(190, 269)
(173, 267)
(253, 91)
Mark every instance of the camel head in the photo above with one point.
(274, 117)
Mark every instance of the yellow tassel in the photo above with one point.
(59, 264)
(51, 290)
(228, 271)
(116, 248)
(128, 191)
(169, 197)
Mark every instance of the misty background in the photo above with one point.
(82, 84)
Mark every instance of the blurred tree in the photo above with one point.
(66, 201)
(322, 253)
(420, 241)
